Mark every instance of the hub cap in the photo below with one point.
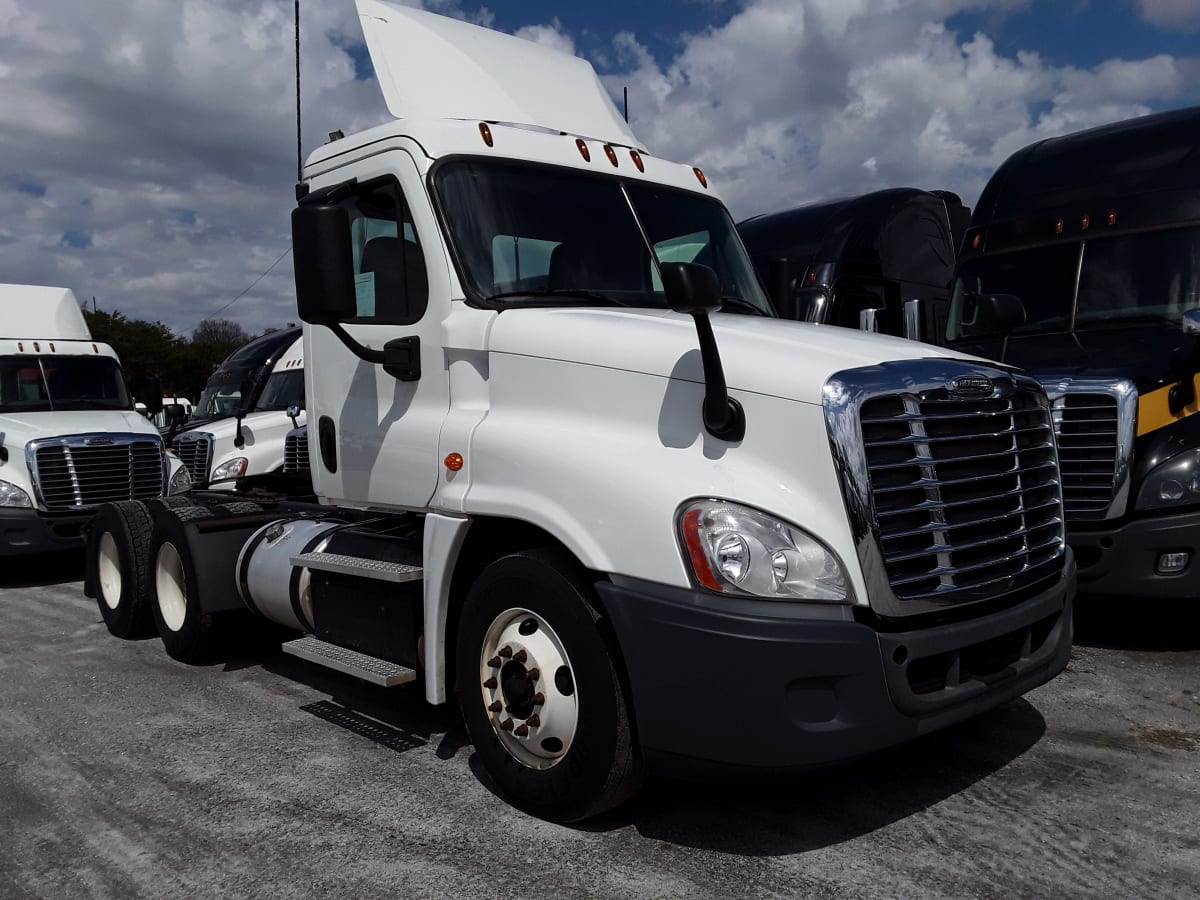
(170, 587)
(528, 688)
(110, 571)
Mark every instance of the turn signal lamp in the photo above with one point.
(583, 149)
(610, 153)
(637, 160)
(485, 133)
(700, 177)
(453, 461)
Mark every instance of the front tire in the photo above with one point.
(540, 691)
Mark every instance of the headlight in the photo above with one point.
(737, 550)
(181, 481)
(1175, 482)
(231, 468)
(11, 495)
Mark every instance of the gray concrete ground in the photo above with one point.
(123, 773)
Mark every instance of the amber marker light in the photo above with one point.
(37, 348)
(1058, 226)
(453, 461)
(95, 349)
(485, 133)
(1112, 217)
(1085, 221)
(610, 153)
(637, 160)
(583, 149)
(976, 240)
(700, 177)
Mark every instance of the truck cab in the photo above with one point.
(239, 427)
(70, 438)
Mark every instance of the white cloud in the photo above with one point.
(1172, 13)
(551, 36)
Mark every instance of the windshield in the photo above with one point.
(1043, 278)
(218, 401)
(537, 235)
(45, 383)
(1150, 276)
(283, 389)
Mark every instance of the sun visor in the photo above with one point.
(431, 66)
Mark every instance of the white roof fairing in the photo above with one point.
(434, 67)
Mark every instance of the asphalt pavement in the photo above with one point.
(126, 774)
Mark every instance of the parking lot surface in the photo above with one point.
(123, 773)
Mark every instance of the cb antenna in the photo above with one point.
(626, 97)
(299, 158)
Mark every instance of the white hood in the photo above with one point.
(434, 67)
(21, 428)
(792, 360)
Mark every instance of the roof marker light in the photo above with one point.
(637, 160)
(976, 240)
(1112, 217)
(51, 347)
(95, 349)
(37, 348)
(1058, 226)
(610, 153)
(21, 346)
(1085, 221)
(583, 149)
(700, 177)
(485, 133)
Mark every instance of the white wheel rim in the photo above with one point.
(170, 586)
(110, 571)
(528, 688)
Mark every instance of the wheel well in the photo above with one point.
(487, 540)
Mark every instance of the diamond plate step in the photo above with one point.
(368, 668)
(397, 573)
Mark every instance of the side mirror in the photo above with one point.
(997, 313)
(690, 287)
(1191, 321)
(174, 412)
(246, 390)
(293, 412)
(324, 264)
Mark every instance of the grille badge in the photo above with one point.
(972, 386)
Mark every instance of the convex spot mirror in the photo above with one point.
(1191, 321)
(690, 287)
(324, 264)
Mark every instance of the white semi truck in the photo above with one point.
(70, 438)
(574, 472)
(266, 402)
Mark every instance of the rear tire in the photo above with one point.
(118, 567)
(188, 634)
(540, 691)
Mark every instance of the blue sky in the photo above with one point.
(147, 150)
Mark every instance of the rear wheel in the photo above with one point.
(187, 633)
(540, 692)
(119, 568)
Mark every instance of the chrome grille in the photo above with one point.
(295, 451)
(966, 492)
(76, 473)
(195, 452)
(1087, 426)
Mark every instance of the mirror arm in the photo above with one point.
(366, 354)
(723, 416)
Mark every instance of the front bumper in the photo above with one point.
(766, 685)
(1123, 561)
(24, 531)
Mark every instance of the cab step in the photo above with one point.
(368, 668)
(375, 569)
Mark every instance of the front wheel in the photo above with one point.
(540, 691)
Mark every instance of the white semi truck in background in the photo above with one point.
(253, 400)
(573, 470)
(70, 438)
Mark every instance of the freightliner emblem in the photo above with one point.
(972, 386)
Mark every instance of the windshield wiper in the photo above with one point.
(744, 303)
(569, 293)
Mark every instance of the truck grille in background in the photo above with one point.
(965, 492)
(1087, 427)
(195, 452)
(295, 451)
(78, 475)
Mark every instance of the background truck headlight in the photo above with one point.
(1175, 482)
(180, 481)
(737, 550)
(231, 468)
(11, 495)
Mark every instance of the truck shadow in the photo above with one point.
(835, 805)
(1136, 623)
(41, 569)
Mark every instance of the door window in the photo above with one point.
(390, 280)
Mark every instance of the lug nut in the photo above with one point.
(506, 725)
(495, 706)
(539, 698)
(491, 684)
(522, 731)
(534, 674)
(520, 656)
(534, 721)
(495, 662)
(506, 652)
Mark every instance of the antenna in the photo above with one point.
(299, 157)
(626, 98)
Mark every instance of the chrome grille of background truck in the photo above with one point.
(87, 470)
(295, 451)
(195, 452)
(952, 486)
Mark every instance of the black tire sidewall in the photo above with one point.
(545, 583)
(130, 525)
